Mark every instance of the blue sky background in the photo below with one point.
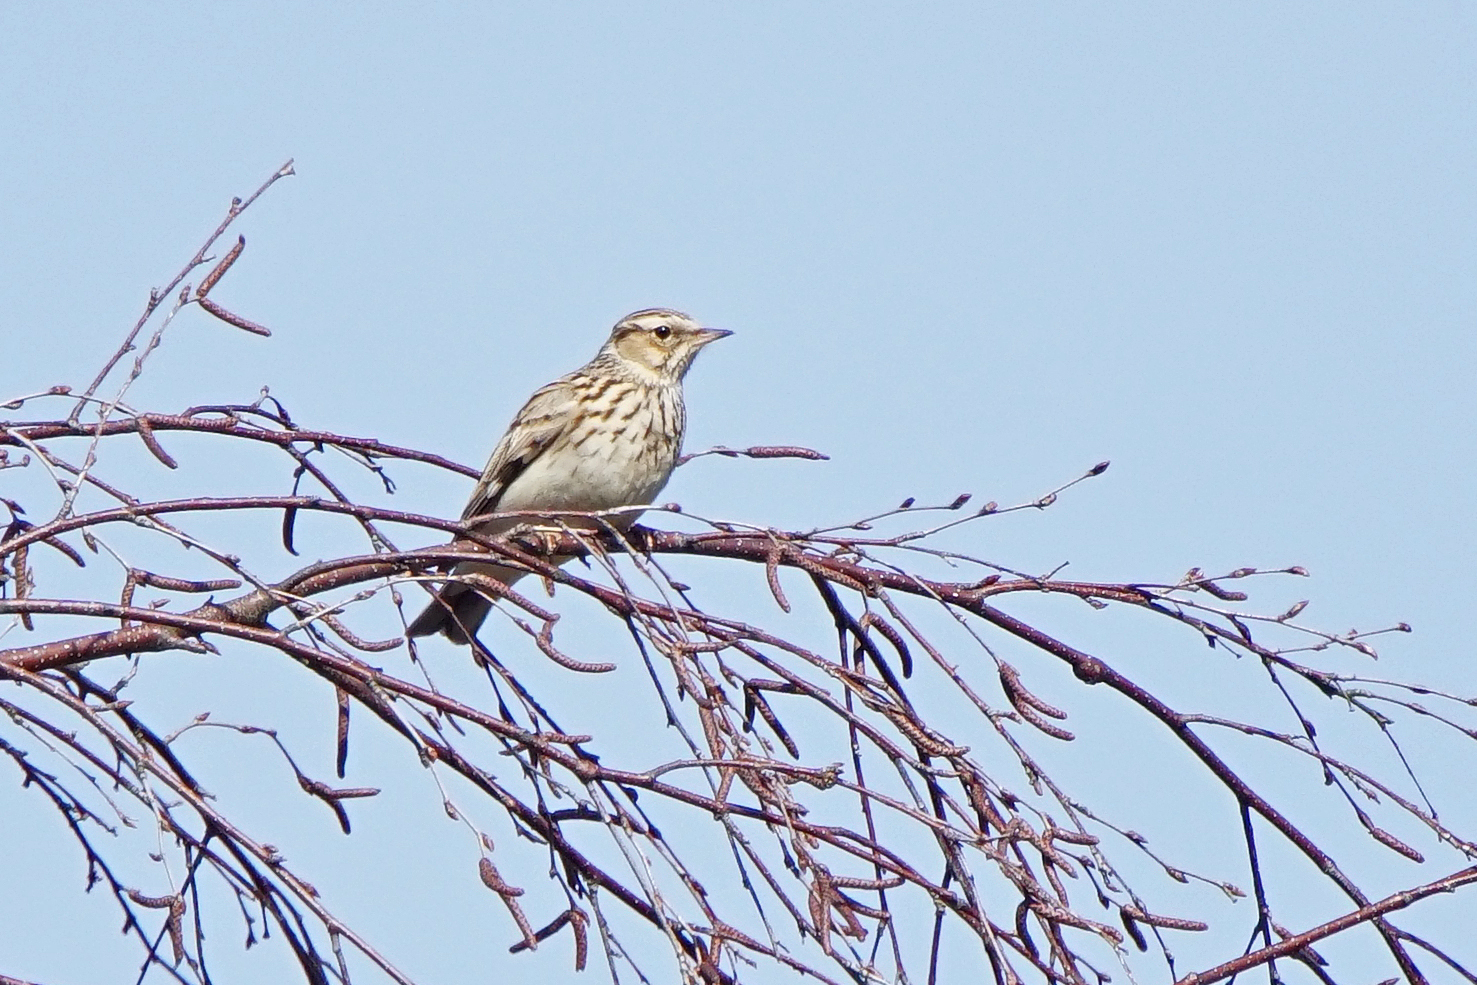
(974, 247)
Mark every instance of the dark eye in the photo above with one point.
(662, 331)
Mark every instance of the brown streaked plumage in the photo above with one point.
(605, 436)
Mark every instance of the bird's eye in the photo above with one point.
(662, 331)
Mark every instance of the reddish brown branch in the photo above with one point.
(157, 296)
(227, 426)
(1365, 914)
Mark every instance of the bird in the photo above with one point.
(607, 435)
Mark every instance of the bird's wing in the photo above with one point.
(548, 414)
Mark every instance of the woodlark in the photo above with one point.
(607, 435)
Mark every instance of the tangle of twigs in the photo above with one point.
(869, 784)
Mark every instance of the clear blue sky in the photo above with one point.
(969, 247)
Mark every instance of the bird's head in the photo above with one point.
(660, 342)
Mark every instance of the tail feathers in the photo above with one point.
(457, 611)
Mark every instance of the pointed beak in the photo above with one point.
(706, 335)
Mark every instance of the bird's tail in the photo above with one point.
(457, 610)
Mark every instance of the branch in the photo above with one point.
(1365, 914)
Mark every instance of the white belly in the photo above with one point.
(602, 464)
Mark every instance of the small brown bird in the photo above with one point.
(607, 435)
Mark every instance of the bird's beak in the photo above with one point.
(706, 335)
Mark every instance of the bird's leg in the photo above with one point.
(541, 538)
